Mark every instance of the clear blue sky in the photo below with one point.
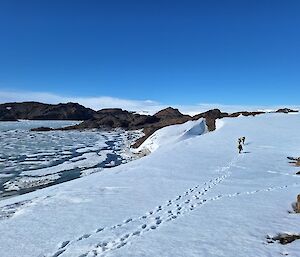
(177, 52)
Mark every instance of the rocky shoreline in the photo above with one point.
(113, 118)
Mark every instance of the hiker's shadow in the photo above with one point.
(248, 143)
(246, 152)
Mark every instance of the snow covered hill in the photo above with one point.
(193, 196)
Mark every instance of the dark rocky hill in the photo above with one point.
(41, 111)
(118, 118)
(7, 115)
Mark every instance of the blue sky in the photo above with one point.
(172, 52)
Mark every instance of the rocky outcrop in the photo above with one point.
(297, 209)
(210, 117)
(40, 111)
(237, 114)
(7, 115)
(283, 238)
(118, 118)
(165, 117)
(286, 110)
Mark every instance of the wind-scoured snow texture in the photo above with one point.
(170, 135)
(31, 160)
(196, 197)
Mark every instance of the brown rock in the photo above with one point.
(244, 113)
(210, 117)
(286, 110)
(41, 111)
(297, 209)
(286, 238)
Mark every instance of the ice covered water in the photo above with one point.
(32, 160)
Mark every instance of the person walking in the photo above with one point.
(240, 148)
(243, 140)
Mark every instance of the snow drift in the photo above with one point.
(173, 134)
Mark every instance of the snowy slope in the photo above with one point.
(194, 197)
(172, 134)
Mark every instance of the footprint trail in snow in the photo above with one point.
(106, 239)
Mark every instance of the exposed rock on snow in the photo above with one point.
(210, 117)
(297, 207)
(283, 238)
(245, 113)
(286, 110)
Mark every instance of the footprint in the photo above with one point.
(99, 230)
(136, 233)
(144, 226)
(121, 245)
(158, 222)
(58, 253)
(83, 237)
(64, 244)
(129, 220)
(83, 255)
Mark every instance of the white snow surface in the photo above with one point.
(193, 197)
(171, 134)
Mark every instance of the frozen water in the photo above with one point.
(31, 160)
